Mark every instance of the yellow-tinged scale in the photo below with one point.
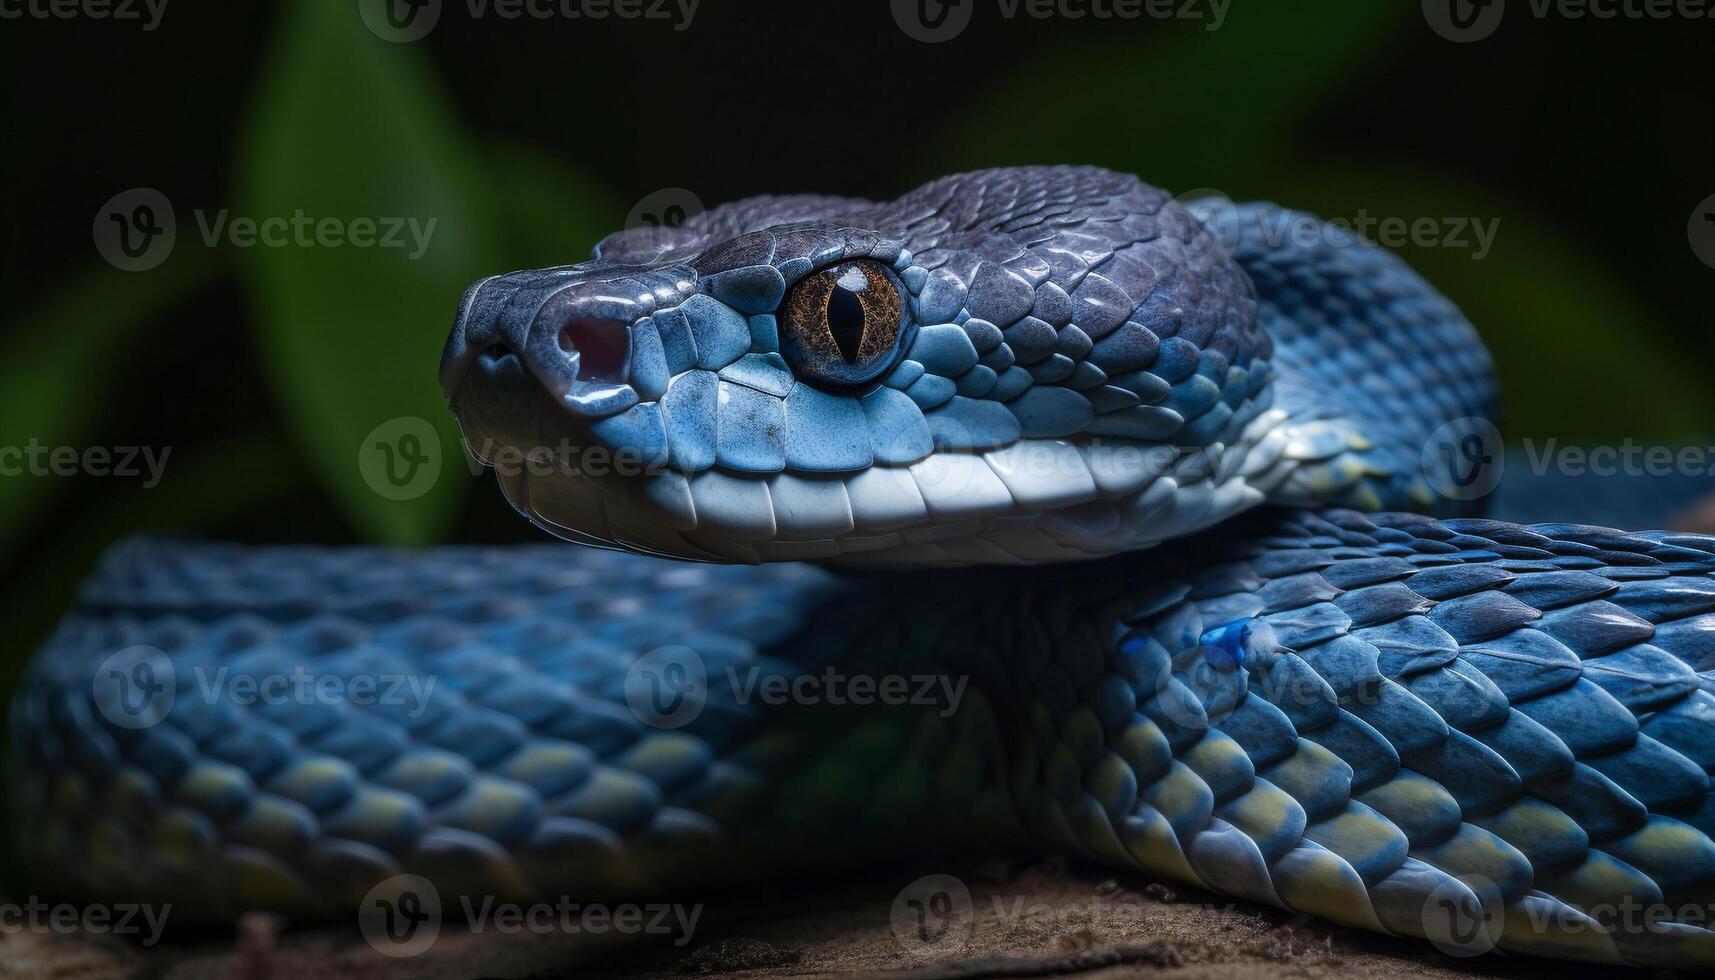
(1182, 798)
(1598, 880)
(1222, 763)
(382, 817)
(1267, 813)
(1362, 837)
(1095, 830)
(1145, 748)
(1422, 809)
(1536, 829)
(1316, 881)
(181, 837)
(275, 824)
(1546, 927)
(1114, 785)
(1150, 839)
(1475, 851)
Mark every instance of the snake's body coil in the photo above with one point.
(1462, 730)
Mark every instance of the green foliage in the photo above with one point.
(347, 126)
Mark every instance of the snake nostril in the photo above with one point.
(602, 348)
(492, 353)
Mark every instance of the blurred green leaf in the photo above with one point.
(59, 356)
(349, 128)
(1579, 354)
(1186, 108)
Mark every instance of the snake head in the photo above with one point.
(1006, 366)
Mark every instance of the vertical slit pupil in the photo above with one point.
(845, 322)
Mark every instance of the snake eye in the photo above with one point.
(840, 325)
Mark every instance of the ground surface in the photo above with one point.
(1027, 920)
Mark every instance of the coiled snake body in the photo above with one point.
(1112, 502)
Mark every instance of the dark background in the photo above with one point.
(263, 368)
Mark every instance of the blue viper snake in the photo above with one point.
(1141, 486)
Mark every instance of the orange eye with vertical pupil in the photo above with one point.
(840, 325)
